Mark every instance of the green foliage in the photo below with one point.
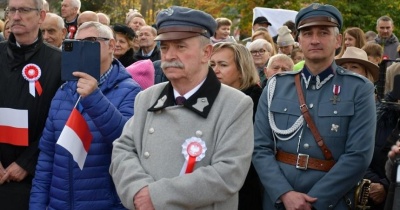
(356, 13)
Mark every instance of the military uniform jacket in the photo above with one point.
(347, 127)
(149, 151)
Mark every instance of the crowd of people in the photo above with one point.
(184, 116)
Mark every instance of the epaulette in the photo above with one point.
(342, 71)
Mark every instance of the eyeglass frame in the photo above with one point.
(259, 52)
(21, 10)
(94, 39)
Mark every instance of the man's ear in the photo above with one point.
(111, 44)
(207, 50)
(42, 15)
(64, 32)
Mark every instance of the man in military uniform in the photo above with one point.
(185, 154)
(298, 170)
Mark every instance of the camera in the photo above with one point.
(68, 46)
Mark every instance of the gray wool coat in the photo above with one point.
(149, 151)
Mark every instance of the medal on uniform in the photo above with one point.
(336, 91)
(335, 128)
(193, 149)
(31, 72)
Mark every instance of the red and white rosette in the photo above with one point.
(31, 72)
(193, 149)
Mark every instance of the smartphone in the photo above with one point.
(83, 56)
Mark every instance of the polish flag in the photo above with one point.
(76, 137)
(14, 126)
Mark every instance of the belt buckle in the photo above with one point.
(300, 155)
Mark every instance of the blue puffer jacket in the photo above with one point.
(59, 183)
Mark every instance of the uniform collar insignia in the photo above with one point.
(161, 102)
(200, 102)
(320, 79)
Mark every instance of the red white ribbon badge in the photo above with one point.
(193, 149)
(31, 72)
(71, 30)
(336, 90)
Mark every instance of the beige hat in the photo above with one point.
(357, 55)
(284, 37)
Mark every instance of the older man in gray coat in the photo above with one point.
(190, 142)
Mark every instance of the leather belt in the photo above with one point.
(304, 161)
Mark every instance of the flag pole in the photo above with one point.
(76, 104)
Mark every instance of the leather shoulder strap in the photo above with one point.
(304, 110)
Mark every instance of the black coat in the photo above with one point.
(127, 58)
(251, 194)
(155, 55)
(15, 94)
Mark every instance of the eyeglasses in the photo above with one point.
(93, 39)
(260, 52)
(21, 10)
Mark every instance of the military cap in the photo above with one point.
(182, 22)
(319, 15)
(123, 29)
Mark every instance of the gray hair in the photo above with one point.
(384, 18)
(103, 30)
(38, 4)
(60, 21)
(76, 3)
(260, 43)
(281, 57)
(46, 6)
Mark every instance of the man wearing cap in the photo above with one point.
(190, 142)
(261, 22)
(315, 128)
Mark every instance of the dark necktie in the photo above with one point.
(180, 100)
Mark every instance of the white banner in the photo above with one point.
(277, 17)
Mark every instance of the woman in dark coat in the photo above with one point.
(124, 37)
(234, 66)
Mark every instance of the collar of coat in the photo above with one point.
(200, 102)
(20, 55)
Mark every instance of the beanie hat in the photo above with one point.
(284, 37)
(142, 72)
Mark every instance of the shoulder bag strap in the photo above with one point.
(304, 110)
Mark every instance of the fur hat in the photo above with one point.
(357, 55)
(142, 72)
(284, 37)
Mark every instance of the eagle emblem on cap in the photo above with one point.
(168, 11)
(315, 6)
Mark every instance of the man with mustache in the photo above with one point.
(190, 142)
(30, 76)
(315, 128)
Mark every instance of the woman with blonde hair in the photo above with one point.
(234, 66)
(352, 37)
